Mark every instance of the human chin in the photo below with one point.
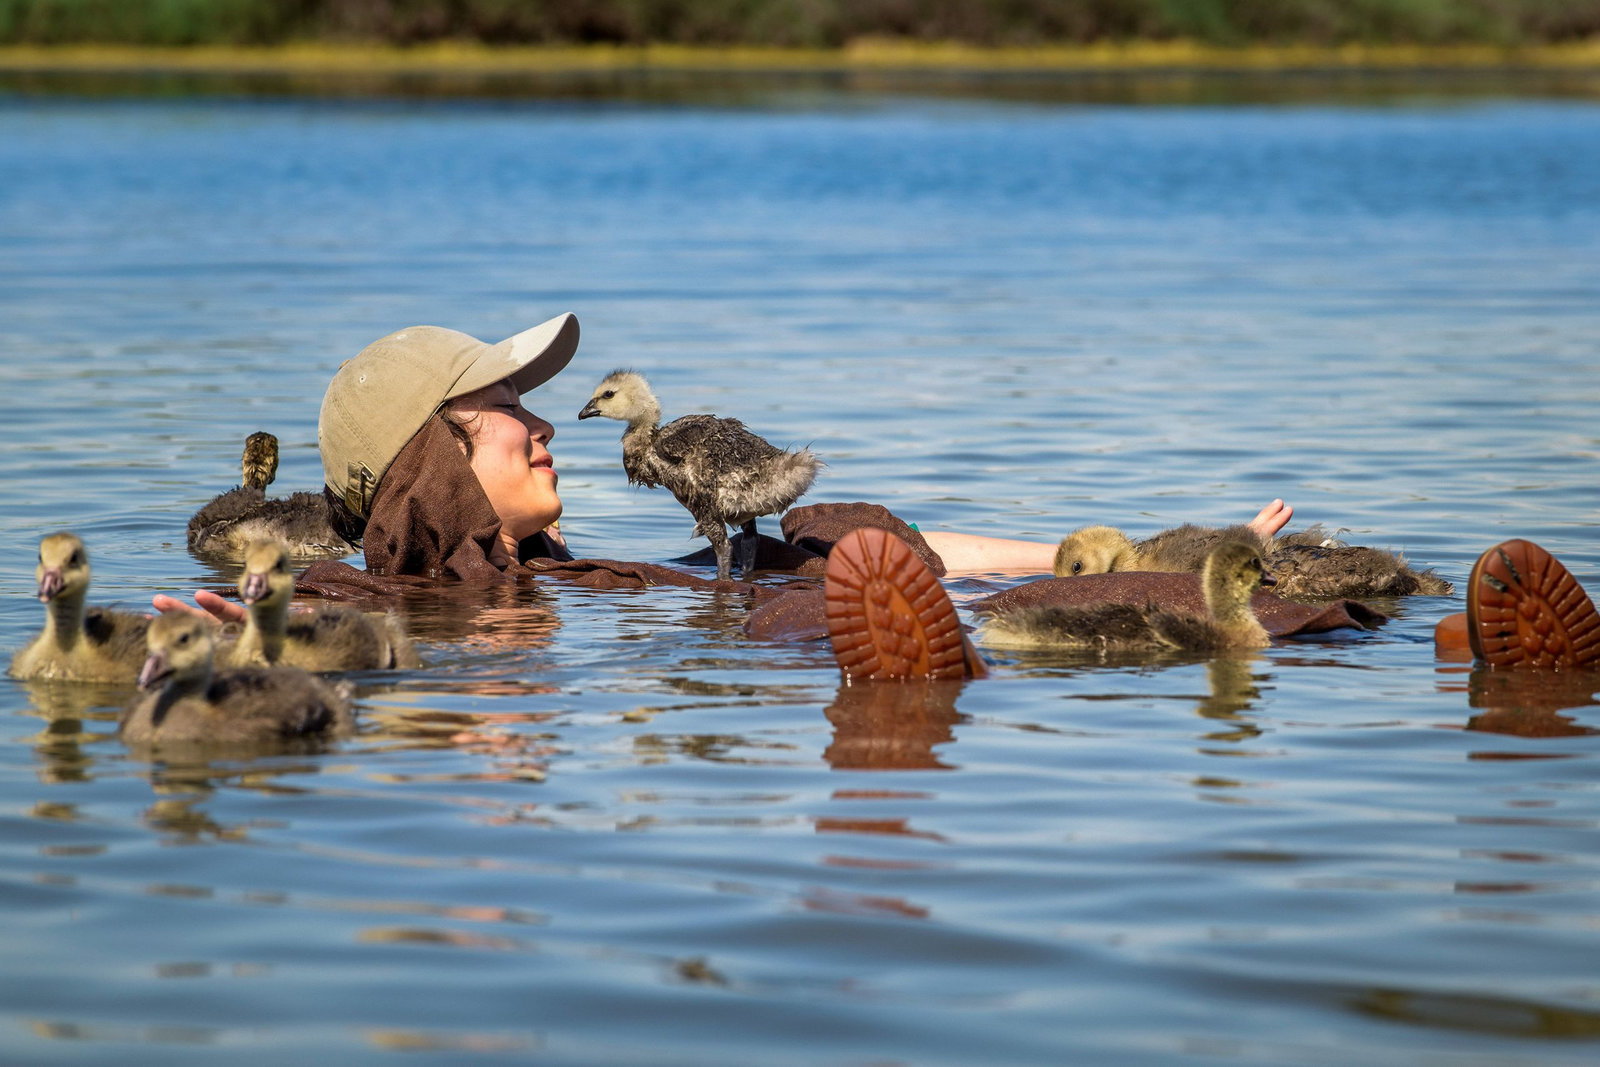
(546, 510)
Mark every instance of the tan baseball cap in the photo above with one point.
(381, 398)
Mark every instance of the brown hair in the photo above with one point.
(346, 523)
(457, 424)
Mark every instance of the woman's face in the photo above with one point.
(510, 458)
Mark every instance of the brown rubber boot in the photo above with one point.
(1526, 611)
(888, 616)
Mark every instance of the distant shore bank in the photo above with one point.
(1135, 57)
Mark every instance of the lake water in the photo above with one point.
(603, 827)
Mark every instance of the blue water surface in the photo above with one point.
(605, 827)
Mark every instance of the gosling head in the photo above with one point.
(267, 577)
(180, 647)
(623, 395)
(1093, 550)
(260, 462)
(1232, 574)
(63, 566)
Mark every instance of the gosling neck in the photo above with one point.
(187, 683)
(63, 618)
(265, 631)
(640, 435)
(190, 682)
(1125, 558)
(644, 418)
(1228, 600)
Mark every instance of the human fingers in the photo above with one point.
(221, 609)
(1272, 518)
(163, 603)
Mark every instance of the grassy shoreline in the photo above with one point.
(1144, 56)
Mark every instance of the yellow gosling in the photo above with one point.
(184, 701)
(1232, 574)
(78, 643)
(327, 638)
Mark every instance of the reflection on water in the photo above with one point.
(604, 825)
(1485, 1015)
(482, 618)
(1233, 691)
(893, 726)
(1531, 704)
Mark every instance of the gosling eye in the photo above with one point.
(1077, 565)
(77, 558)
(183, 639)
(608, 394)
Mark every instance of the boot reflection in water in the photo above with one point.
(892, 727)
(1531, 703)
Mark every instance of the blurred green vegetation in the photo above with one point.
(796, 23)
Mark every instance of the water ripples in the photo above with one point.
(606, 827)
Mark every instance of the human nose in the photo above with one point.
(538, 429)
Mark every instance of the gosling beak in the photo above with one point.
(49, 583)
(589, 411)
(253, 587)
(1268, 579)
(154, 672)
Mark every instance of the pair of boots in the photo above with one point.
(889, 618)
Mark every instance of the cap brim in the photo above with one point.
(529, 358)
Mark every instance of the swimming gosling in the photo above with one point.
(185, 702)
(1307, 564)
(1232, 574)
(327, 638)
(720, 471)
(78, 642)
(224, 527)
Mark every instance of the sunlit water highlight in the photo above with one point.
(605, 827)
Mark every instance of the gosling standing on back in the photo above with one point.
(721, 472)
(1232, 574)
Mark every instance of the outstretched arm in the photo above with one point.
(972, 552)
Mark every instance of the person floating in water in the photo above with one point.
(433, 464)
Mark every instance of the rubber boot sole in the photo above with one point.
(1525, 611)
(888, 616)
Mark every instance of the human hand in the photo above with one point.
(211, 607)
(1272, 518)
